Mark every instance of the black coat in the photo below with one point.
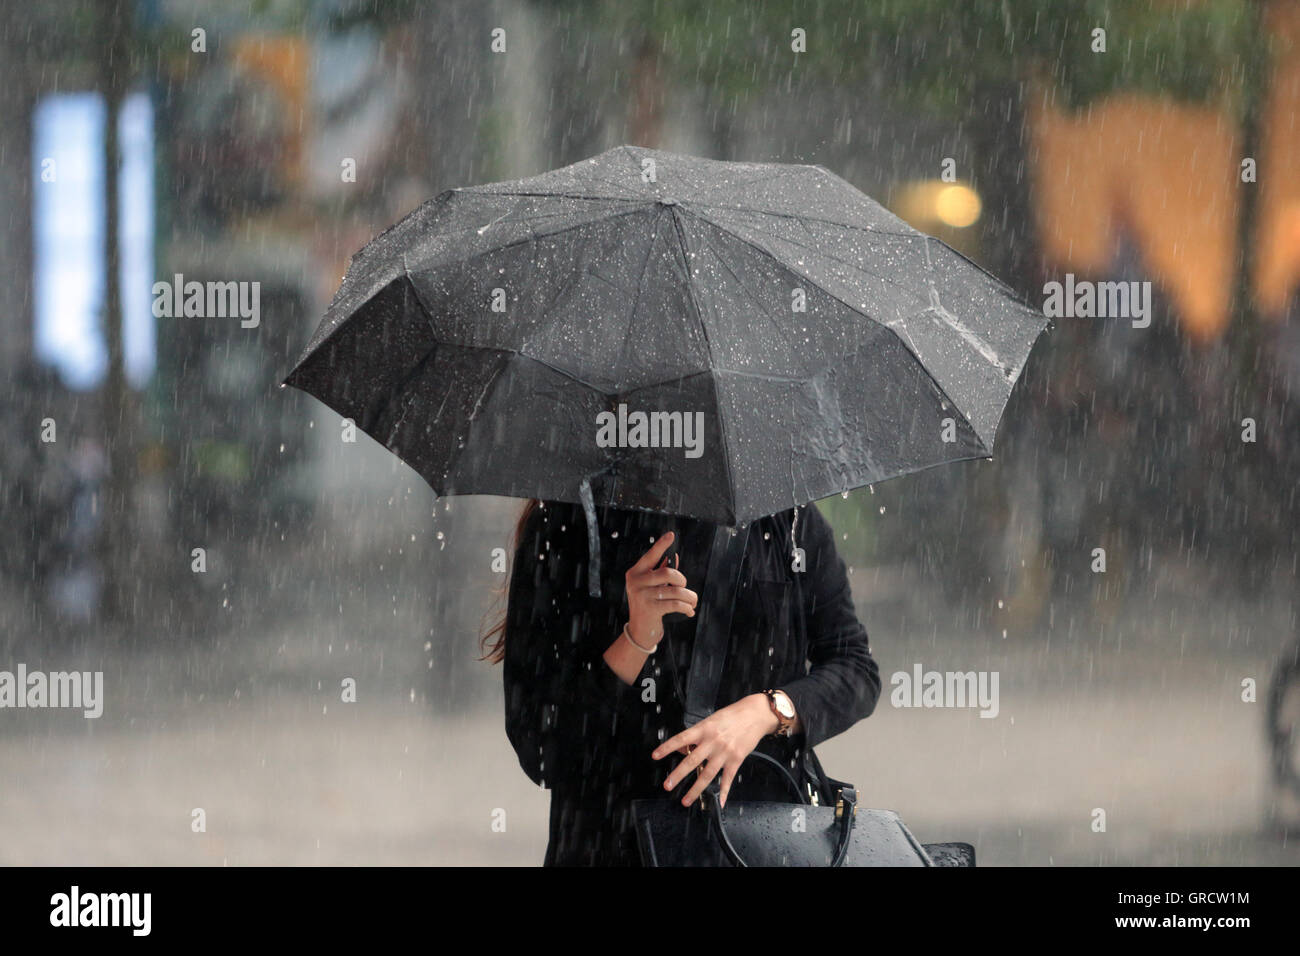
(587, 736)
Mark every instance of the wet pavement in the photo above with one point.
(256, 735)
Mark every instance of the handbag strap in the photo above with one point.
(714, 624)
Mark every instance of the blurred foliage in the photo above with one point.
(857, 536)
(491, 140)
(223, 460)
(930, 53)
(933, 53)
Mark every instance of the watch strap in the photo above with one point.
(785, 725)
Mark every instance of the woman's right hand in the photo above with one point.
(654, 590)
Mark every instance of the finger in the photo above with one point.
(707, 772)
(659, 578)
(694, 757)
(675, 607)
(687, 766)
(686, 738)
(648, 560)
(724, 785)
(684, 595)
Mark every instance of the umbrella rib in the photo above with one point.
(509, 245)
(455, 453)
(780, 171)
(703, 203)
(406, 273)
(800, 217)
(909, 348)
(554, 195)
(726, 448)
(493, 348)
(470, 195)
(706, 204)
(972, 339)
(534, 236)
(684, 249)
(967, 335)
(626, 150)
(844, 262)
(479, 230)
(395, 392)
(636, 299)
(455, 231)
(454, 234)
(753, 298)
(771, 255)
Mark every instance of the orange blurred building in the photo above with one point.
(1170, 174)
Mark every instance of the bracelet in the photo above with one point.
(643, 650)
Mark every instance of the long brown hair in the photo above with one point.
(492, 643)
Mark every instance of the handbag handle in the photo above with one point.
(826, 784)
(786, 775)
(845, 813)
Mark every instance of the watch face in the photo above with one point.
(784, 707)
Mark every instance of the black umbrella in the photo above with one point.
(661, 332)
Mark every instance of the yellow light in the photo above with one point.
(930, 201)
(957, 206)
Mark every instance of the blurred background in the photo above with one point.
(266, 140)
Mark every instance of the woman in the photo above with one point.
(593, 686)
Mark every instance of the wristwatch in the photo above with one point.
(783, 707)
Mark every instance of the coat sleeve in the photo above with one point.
(843, 681)
(564, 707)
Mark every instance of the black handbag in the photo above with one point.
(804, 832)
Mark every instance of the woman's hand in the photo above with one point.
(652, 592)
(720, 742)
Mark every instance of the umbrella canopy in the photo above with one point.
(661, 332)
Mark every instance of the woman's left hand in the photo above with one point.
(723, 739)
